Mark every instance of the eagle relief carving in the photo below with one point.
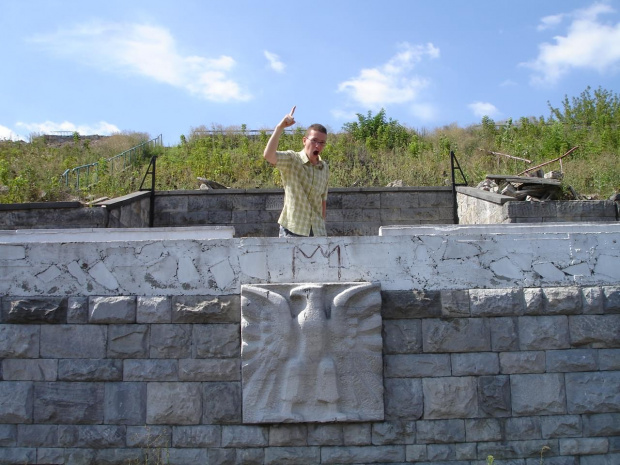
(311, 352)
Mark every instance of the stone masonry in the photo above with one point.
(467, 373)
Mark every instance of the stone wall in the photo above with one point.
(253, 213)
(476, 206)
(116, 349)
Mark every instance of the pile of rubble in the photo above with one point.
(538, 186)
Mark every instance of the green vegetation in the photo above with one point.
(370, 152)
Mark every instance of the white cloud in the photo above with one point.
(101, 128)
(589, 44)
(148, 51)
(426, 112)
(274, 62)
(391, 82)
(481, 109)
(550, 21)
(8, 134)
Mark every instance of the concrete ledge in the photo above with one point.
(39, 205)
(116, 234)
(508, 228)
(498, 199)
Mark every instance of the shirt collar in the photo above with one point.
(306, 161)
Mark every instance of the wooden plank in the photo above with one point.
(524, 179)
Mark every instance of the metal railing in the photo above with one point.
(85, 176)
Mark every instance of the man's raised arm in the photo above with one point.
(270, 150)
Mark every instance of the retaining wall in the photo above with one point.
(116, 349)
(476, 206)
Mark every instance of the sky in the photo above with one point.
(168, 67)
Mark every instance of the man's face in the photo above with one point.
(314, 143)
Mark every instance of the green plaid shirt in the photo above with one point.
(305, 189)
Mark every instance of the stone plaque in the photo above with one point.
(311, 352)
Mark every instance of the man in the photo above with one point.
(305, 176)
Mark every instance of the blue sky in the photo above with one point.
(165, 67)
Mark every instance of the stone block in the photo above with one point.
(538, 394)
(609, 359)
(415, 453)
(209, 370)
(562, 300)
(504, 334)
(112, 310)
(572, 360)
(483, 429)
(355, 454)
(494, 396)
(598, 331)
(357, 434)
(560, 426)
(601, 424)
(153, 309)
(149, 436)
(91, 436)
(128, 341)
(402, 336)
(457, 335)
(287, 435)
(68, 403)
(221, 403)
(296, 455)
(29, 370)
(73, 341)
(173, 403)
(17, 455)
(77, 310)
(90, 370)
(496, 302)
(417, 365)
(150, 370)
(403, 399)
(200, 436)
(441, 452)
(593, 392)
(523, 428)
(8, 435)
(361, 200)
(393, 432)
(584, 446)
(205, 309)
(440, 431)
(410, 304)
(592, 300)
(125, 403)
(16, 400)
(171, 341)
(543, 332)
(522, 362)
(245, 436)
(611, 299)
(466, 451)
(455, 303)
(19, 341)
(34, 310)
(51, 455)
(216, 341)
(400, 199)
(475, 364)
(450, 397)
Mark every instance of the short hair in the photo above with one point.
(316, 127)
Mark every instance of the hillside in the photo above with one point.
(370, 152)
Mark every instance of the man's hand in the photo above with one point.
(288, 120)
(272, 145)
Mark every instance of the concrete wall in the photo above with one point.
(114, 349)
(476, 206)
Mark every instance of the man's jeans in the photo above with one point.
(286, 233)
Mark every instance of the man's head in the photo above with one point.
(314, 142)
